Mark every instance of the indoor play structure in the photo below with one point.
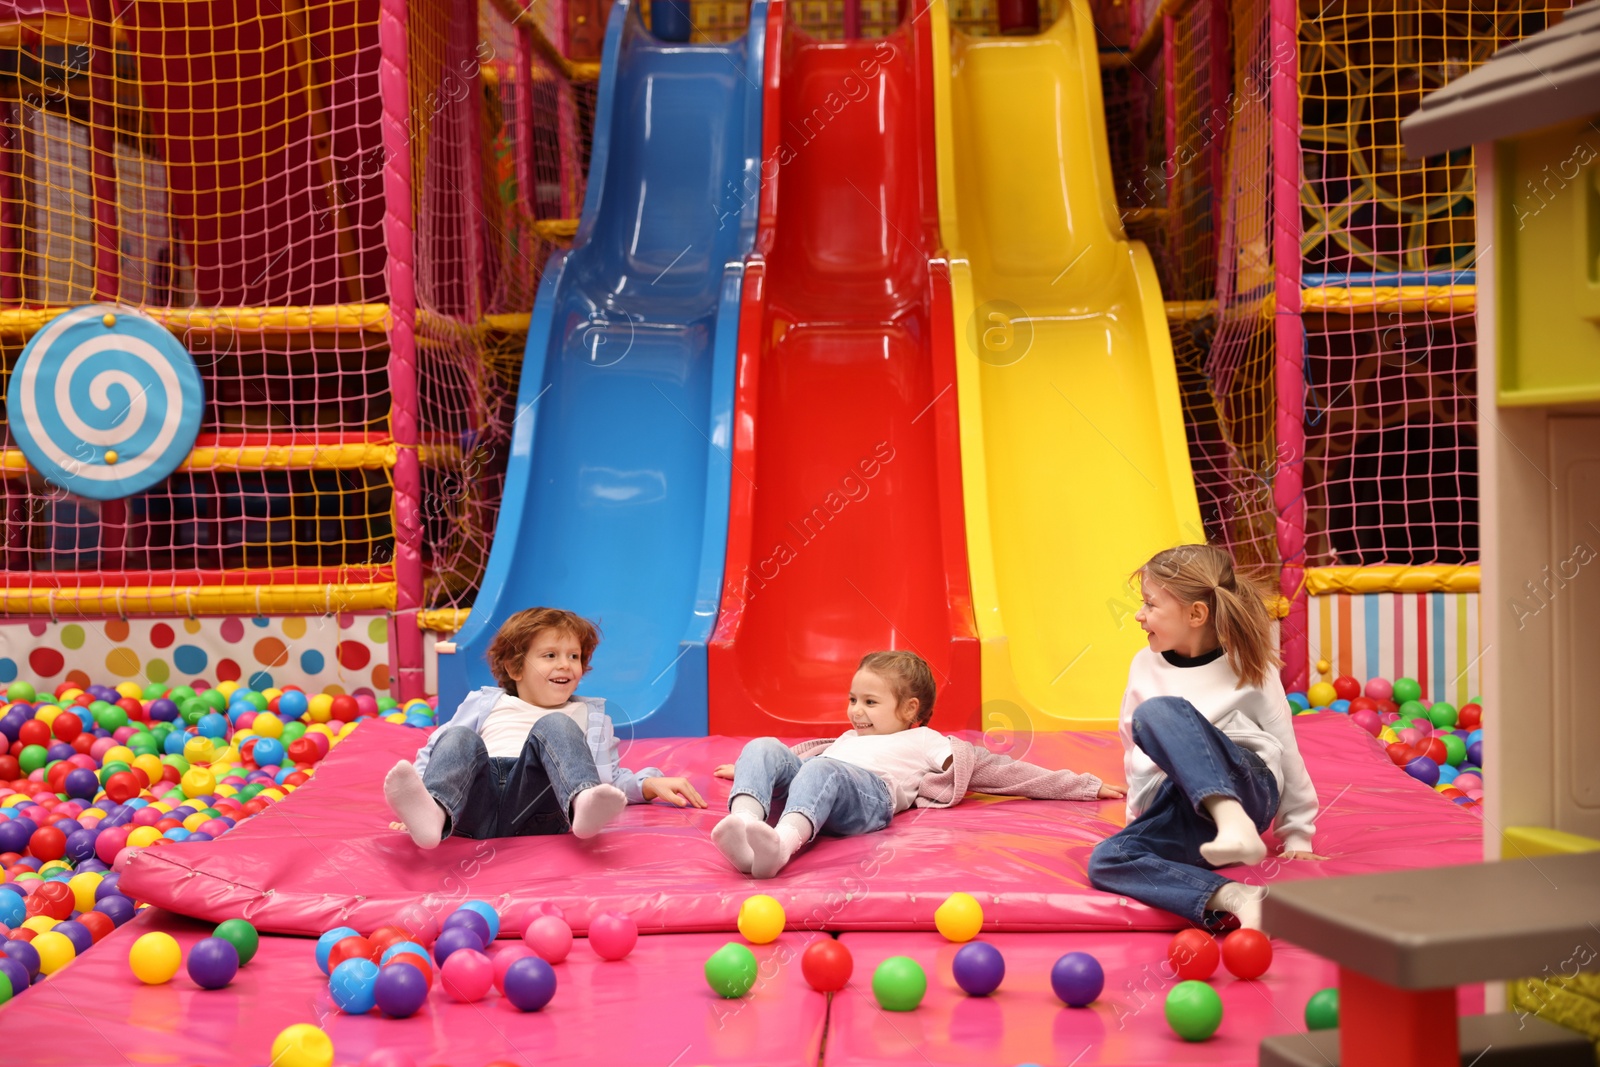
(763, 333)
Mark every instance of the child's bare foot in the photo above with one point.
(731, 840)
(1237, 840)
(1244, 901)
(408, 798)
(594, 807)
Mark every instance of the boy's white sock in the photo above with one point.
(1237, 840)
(749, 807)
(1244, 901)
(771, 849)
(594, 807)
(411, 802)
(732, 841)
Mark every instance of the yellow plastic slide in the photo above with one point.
(1073, 456)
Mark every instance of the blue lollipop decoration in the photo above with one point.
(105, 402)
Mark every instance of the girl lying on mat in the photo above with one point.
(857, 782)
(1209, 749)
(542, 761)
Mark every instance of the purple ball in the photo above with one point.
(116, 907)
(119, 816)
(14, 836)
(60, 751)
(90, 866)
(162, 710)
(530, 983)
(198, 835)
(1475, 753)
(107, 886)
(77, 933)
(213, 962)
(28, 825)
(400, 990)
(12, 969)
(453, 939)
(1077, 979)
(978, 968)
(471, 920)
(1423, 770)
(80, 846)
(81, 782)
(68, 827)
(24, 954)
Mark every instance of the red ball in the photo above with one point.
(83, 743)
(350, 948)
(48, 843)
(1347, 687)
(826, 965)
(56, 776)
(134, 709)
(1434, 749)
(1193, 954)
(297, 778)
(10, 769)
(98, 923)
(385, 936)
(122, 787)
(1400, 753)
(1388, 707)
(1470, 717)
(54, 899)
(33, 732)
(1247, 953)
(1361, 703)
(344, 708)
(304, 751)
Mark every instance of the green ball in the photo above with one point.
(144, 745)
(292, 731)
(1413, 709)
(1455, 749)
(731, 970)
(899, 984)
(1442, 715)
(387, 703)
(242, 936)
(1406, 689)
(108, 769)
(254, 699)
(160, 731)
(113, 718)
(5, 987)
(21, 693)
(214, 700)
(32, 758)
(180, 693)
(154, 691)
(172, 759)
(1194, 1011)
(1322, 1010)
(194, 713)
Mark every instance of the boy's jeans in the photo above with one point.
(837, 798)
(1156, 858)
(517, 796)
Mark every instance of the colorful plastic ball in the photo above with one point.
(1378, 689)
(326, 942)
(1194, 1011)
(292, 704)
(470, 920)
(74, 931)
(899, 984)
(454, 940)
(1322, 1010)
(24, 953)
(1470, 717)
(1423, 770)
(1321, 695)
(55, 951)
(1368, 720)
(1347, 687)
(530, 983)
(55, 899)
(118, 908)
(978, 968)
(198, 782)
(401, 946)
(213, 962)
(1406, 689)
(1442, 715)
(487, 913)
(612, 935)
(242, 936)
(1475, 753)
(1247, 953)
(302, 1045)
(1193, 955)
(549, 937)
(761, 919)
(731, 970)
(959, 918)
(350, 985)
(467, 975)
(504, 957)
(268, 752)
(16, 974)
(12, 909)
(1077, 979)
(400, 990)
(349, 948)
(826, 965)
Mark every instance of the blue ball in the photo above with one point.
(1299, 701)
(1077, 979)
(177, 833)
(268, 752)
(351, 986)
(326, 942)
(978, 968)
(1447, 773)
(402, 946)
(213, 726)
(490, 916)
(1475, 735)
(292, 704)
(173, 745)
(419, 720)
(13, 910)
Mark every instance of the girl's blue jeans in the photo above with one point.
(1156, 858)
(837, 798)
(512, 796)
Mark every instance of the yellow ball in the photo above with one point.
(960, 917)
(55, 951)
(272, 693)
(396, 717)
(47, 714)
(320, 709)
(155, 958)
(129, 689)
(195, 821)
(272, 793)
(38, 923)
(1323, 666)
(197, 781)
(267, 725)
(227, 688)
(1388, 736)
(55, 865)
(760, 919)
(119, 754)
(1442, 786)
(302, 1045)
(150, 765)
(83, 887)
(1321, 695)
(142, 836)
(199, 750)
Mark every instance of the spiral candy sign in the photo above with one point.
(105, 402)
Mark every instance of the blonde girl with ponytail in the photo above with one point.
(1208, 745)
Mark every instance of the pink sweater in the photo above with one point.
(975, 769)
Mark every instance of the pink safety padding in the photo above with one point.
(653, 1007)
(326, 855)
(1023, 1022)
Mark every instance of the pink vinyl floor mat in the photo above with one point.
(653, 1007)
(326, 856)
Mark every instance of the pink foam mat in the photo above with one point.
(1023, 1022)
(652, 1007)
(326, 855)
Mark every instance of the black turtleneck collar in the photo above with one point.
(1192, 661)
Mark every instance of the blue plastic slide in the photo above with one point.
(616, 501)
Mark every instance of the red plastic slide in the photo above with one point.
(845, 531)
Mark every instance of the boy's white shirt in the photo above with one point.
(901, 759)
(505, 731)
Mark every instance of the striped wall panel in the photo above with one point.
(1432, 637)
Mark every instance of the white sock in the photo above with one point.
(772, 849)
(1244, 901)
(733, 841)
(410, 800)
(748, 807)
(594, 807)
(1237, 840)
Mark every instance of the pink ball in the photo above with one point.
(147, 816)
(612, 935)
(367, 703)
(77, 759)
(504, 957)
(467, 975)
(1379, 688)
(1410, 735)
(1389, 717)
(388, 1057)
(420, 924)
(320, 740)
(1368, 720)
(101, 746)
(121, 734)
(1468, 781)
(110, 842)
(246, 720)
(1475, 794)
(550, 938)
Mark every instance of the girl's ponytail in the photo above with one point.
(1206, 574)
